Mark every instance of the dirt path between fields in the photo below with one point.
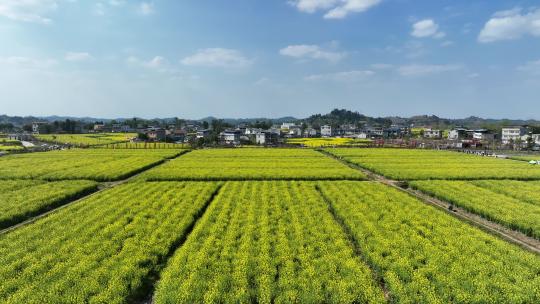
(507, 234)
(101, 187)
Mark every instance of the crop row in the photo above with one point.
(267, 242)
(271, 241)
(252, 164)
(514, 204)
(427, 256)
(21, 199)
(94, 164)
(402, 164)
(100, 250)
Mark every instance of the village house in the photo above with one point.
(484, 135)
(458, 133)
(295, 131)
(326, 131)
(375, 132)
(266, 138)
(38, 127)
(156, 134)
(310, 132)
(432, 133)
(513, 134)
(230, 137)
(120, 128)
(203, 133)
(287, 125)
(536, 138)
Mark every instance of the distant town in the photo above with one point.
(419, 132)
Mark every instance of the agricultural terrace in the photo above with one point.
(102, 249)
(91, 164)
(514, 204)
(10, 145)
(86, 140)
(11, 148)
(329, 142)
(22, 199)
(425, 255)
(253, 164)
(405, 164)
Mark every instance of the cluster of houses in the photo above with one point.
(243, 134)
(508, 135)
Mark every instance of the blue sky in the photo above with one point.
(261, 58)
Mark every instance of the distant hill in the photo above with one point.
(235, 121)
(334, 118)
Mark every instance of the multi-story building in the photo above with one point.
(326, 131)
(38, 127)
(512, 134)
(432, 133)
(458, 133)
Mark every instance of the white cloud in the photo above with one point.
(35, 11)
(217, 57)
(99, 9)
(304, 51)
(349, 76)
(531, 67)
(335, 9)
(77, 56)
(27, 63)
(156, 63)
(447, 43)
(511, 24)
(146, 8)
(423, 70)
(117, 2)
(427, 28)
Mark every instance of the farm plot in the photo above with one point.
(267, 242)
(329, 142)
(103, 249)
(91, 164)
(21, 199)
(427, 256)
(403, 164)
(143, 145)
(86, 140)
(253, 164)
(514, 204)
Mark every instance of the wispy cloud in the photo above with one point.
(156, 63)
(531, 67)
(77, 56)
(217, 57)
(334, 9)
(348, 76)
(510, 25)
(146, 8)
(304, 51)
(27, 62)
(427, 28)
(36, 11)
(415, 70)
